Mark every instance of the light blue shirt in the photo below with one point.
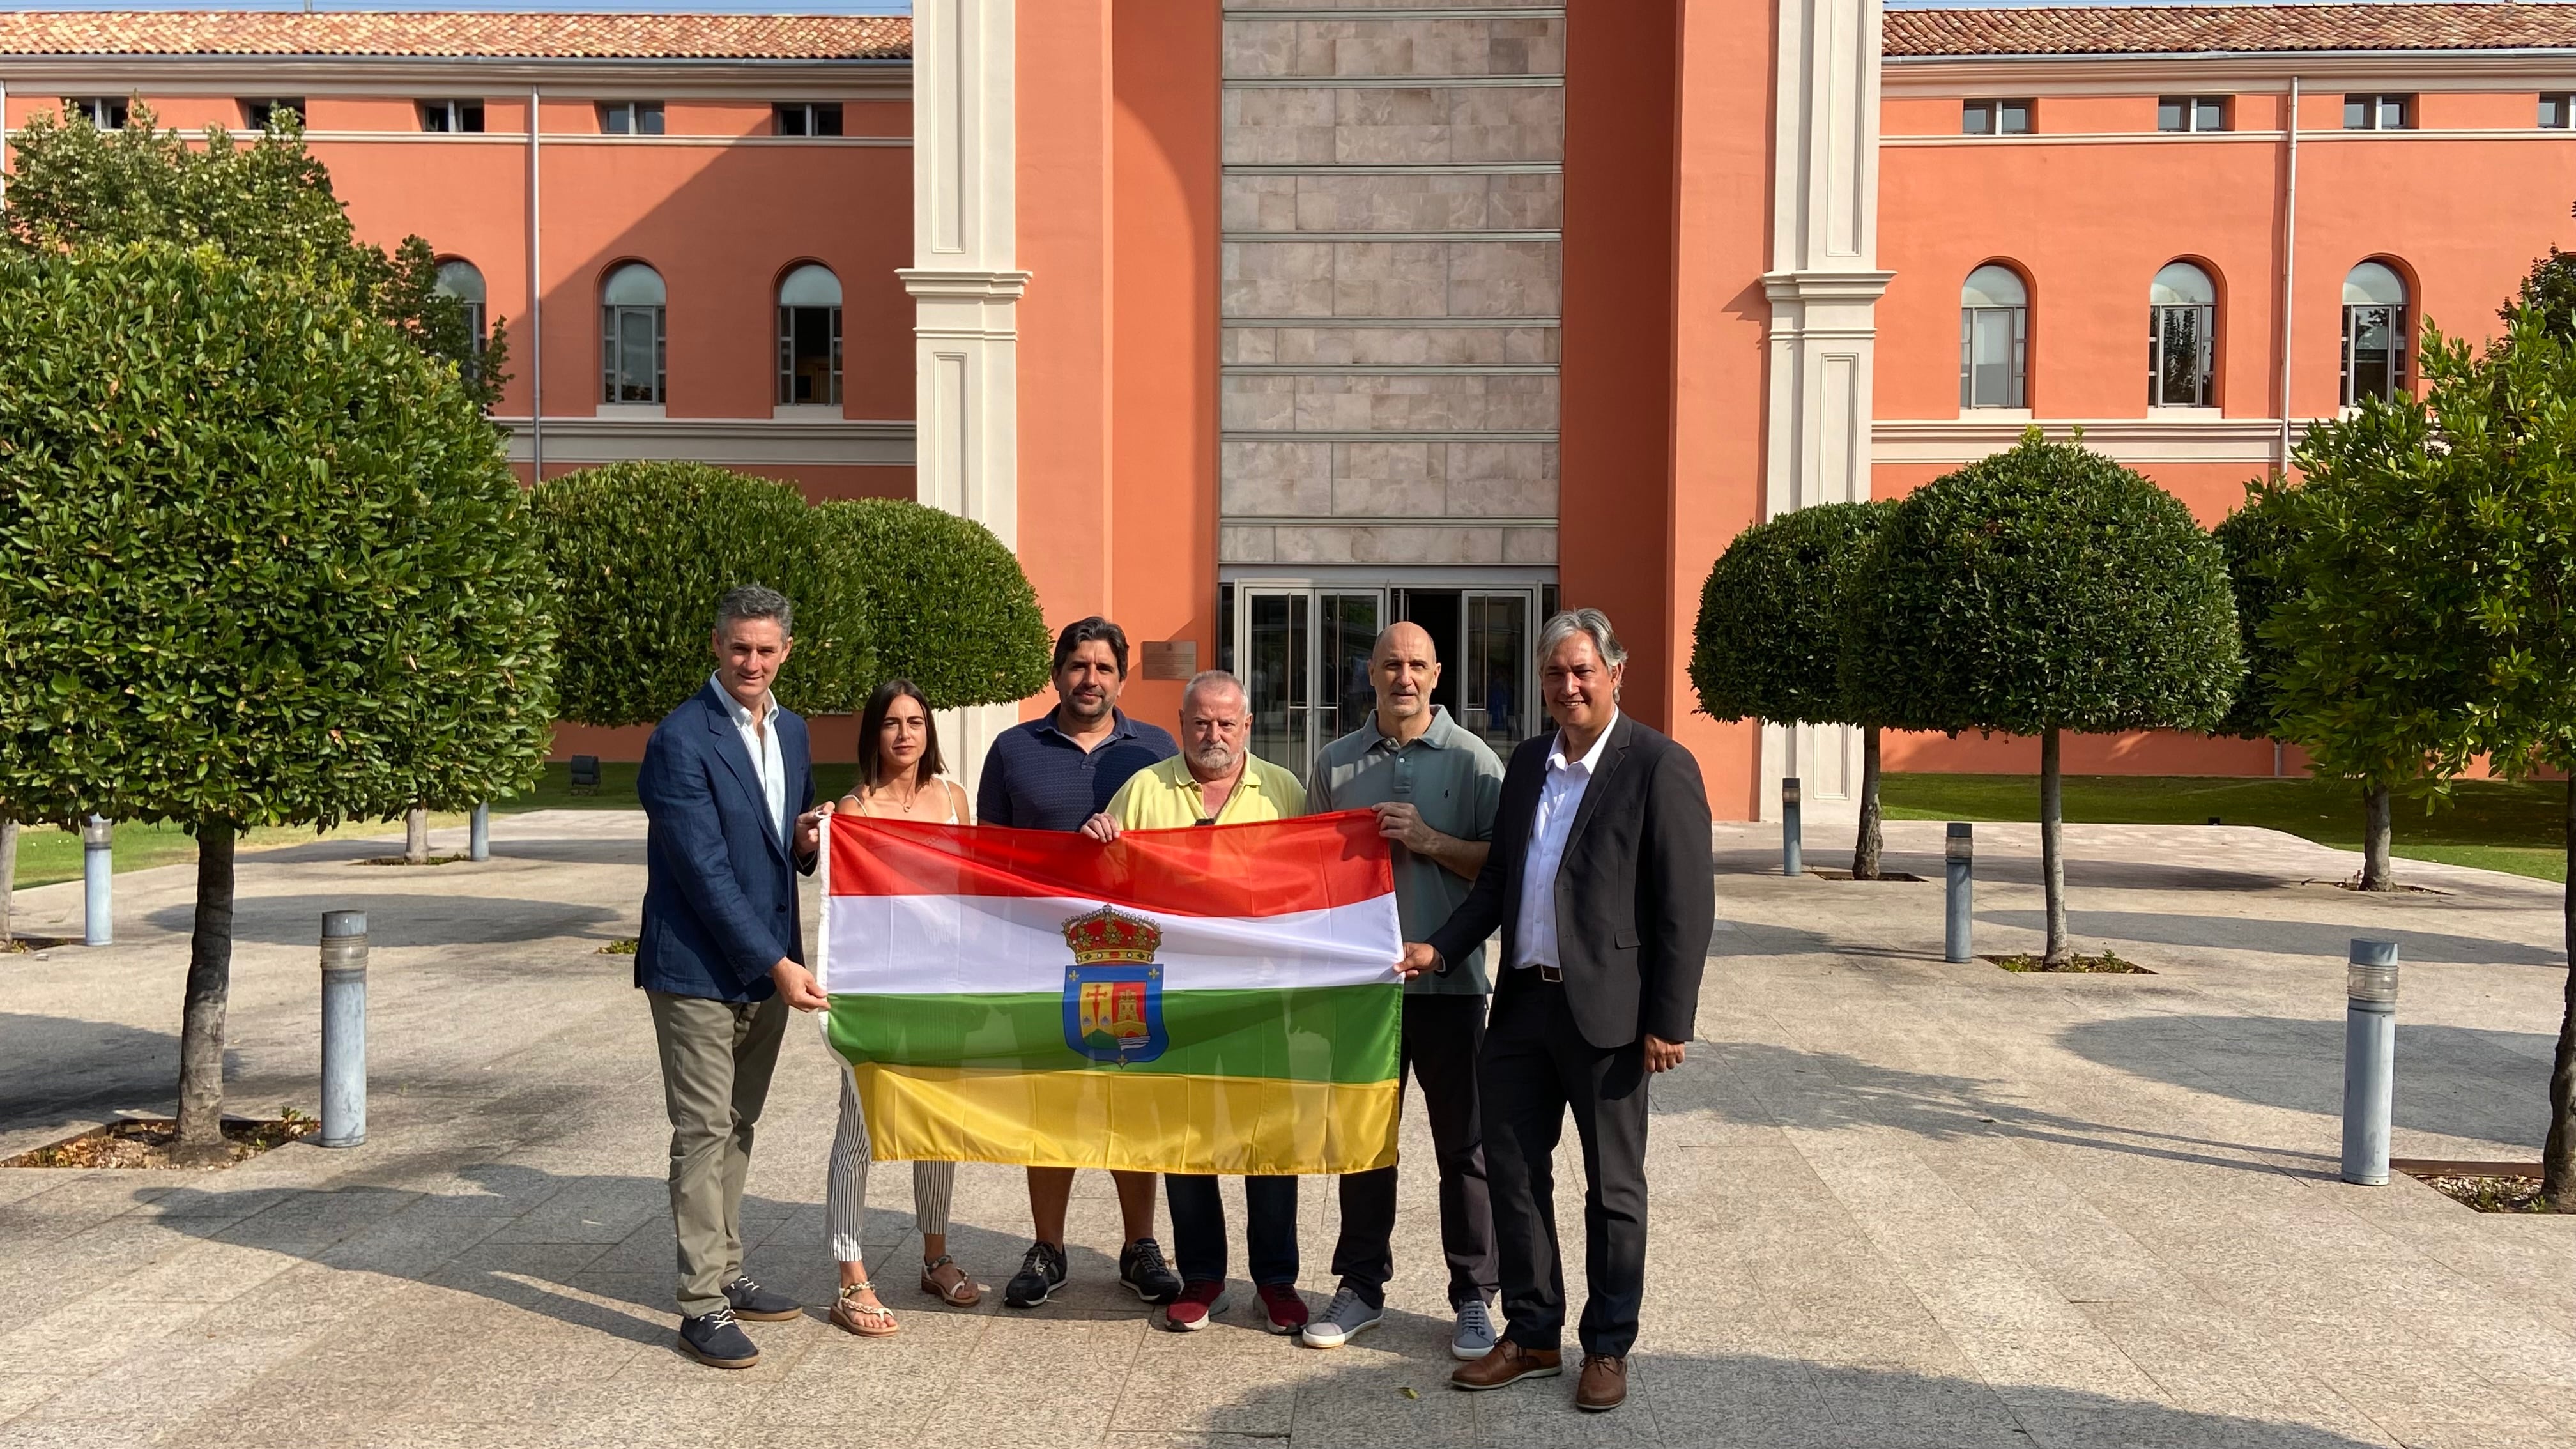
(1560, 799)
(760, 741)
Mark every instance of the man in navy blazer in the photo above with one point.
(728, 791)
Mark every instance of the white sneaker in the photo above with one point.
(1345, 1318)
(1475, 1336)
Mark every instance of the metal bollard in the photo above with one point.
(1959, 853)
(98, 869)
(2369, 1059)
(344, 1028)
(478, 834)
(1792, 853)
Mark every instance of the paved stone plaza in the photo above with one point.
(1897, 1202)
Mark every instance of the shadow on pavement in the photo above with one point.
(1763, 1084)
(1685, 1401)
(49, 1064)
(2455, 1080)
(2081, 873)
(2289, 938)
(409, 920)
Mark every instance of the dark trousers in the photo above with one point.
(1442, 1035)
(1198, 1228)
(1536, 1067)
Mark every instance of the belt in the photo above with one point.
(1550, 973)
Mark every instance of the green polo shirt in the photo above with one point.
(1453, 779)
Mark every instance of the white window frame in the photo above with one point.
(2375, 111)
(448, 116)
(107, 113)
(810, 114)
(2565, 102)
(614, 320)
(1992, 108)
(631, 118)
(2191, 107)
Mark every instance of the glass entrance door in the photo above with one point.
(1304, 657)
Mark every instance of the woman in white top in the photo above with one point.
(899, 779)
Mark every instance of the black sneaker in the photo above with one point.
(1042, 1271)
(1141, 1267)
(716, 1340)
(751, 1301)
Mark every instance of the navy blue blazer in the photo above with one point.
(720, 902)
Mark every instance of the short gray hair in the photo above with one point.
(752, 601)
(1592, 622)
(1213, 679)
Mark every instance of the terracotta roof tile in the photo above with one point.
(457, 33)
(2160, 29)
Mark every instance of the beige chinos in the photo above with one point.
(717, 1057)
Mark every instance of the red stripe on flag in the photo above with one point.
(1268, 868)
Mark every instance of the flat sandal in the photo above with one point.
(867, 1320)
(962, 1293)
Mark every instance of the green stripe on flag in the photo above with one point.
(1341, 1034)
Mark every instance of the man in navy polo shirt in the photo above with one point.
(1053, 773)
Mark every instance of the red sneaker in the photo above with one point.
(1287, 1311)
(1199, 1302)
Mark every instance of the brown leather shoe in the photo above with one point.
(1508, 1363)
(1604, 1385)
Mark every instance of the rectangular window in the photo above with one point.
(2191, 113)
(1997, 118)
(255, 114)
(2374, 352)
(459, 116)
(809, 356)
(105, 112)
(2556, 111)
(1993, 343)
(806, 118)
(630, 118)
(631, 354)
(2179, 355)
(2379, 113)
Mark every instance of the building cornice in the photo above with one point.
(2170, 439)
(964, 284)
(1826, 286)
(741, 442)
(328, 75)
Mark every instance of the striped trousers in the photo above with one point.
(845, 1196)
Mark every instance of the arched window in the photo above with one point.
(631, 347)
(2374, 333)
(460, 279)
(2182, 327)
(809, 337)
(1994, 338)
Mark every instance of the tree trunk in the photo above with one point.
(210, 972)
(1865, 850)
(8, 875)
(2558, 1155)
(2052, 847)
(416, 836)
(2374, 838)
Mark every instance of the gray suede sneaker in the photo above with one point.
(1345, 1318)
(1475, 1336)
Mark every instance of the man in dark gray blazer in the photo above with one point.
(1602, 884)
(728, 791)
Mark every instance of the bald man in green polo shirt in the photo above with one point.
(1435, 787)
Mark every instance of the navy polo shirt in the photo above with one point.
(1037, 778)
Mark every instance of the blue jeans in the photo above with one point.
(1198, 1228)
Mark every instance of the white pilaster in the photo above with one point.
(966, 291)
(1824, 285)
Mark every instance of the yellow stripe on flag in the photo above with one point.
(1143, 1121)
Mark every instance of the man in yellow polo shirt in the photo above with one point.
(1216, 780)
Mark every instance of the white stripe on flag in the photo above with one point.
(952, 945)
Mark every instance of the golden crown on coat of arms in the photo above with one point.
(1107, 935)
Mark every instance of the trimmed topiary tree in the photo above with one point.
(261, 562)
(2044, 589)
(642, 551)
(1770, 639)
(947, 606)
(2257, 541)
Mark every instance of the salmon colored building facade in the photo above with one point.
(1258, 324)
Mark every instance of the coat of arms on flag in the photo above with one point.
(1113, 996)
(1229, 1005)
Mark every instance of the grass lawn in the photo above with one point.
(2517, 827)
(47, 854)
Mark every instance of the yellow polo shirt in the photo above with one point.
(1165, 797)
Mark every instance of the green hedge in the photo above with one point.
(261, 561)
(1769, 643)
(641, 553)
(2258, 540)
(946, 603)
(2046, 586)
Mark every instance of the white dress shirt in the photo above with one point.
(760, 741)
(1560, 799)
